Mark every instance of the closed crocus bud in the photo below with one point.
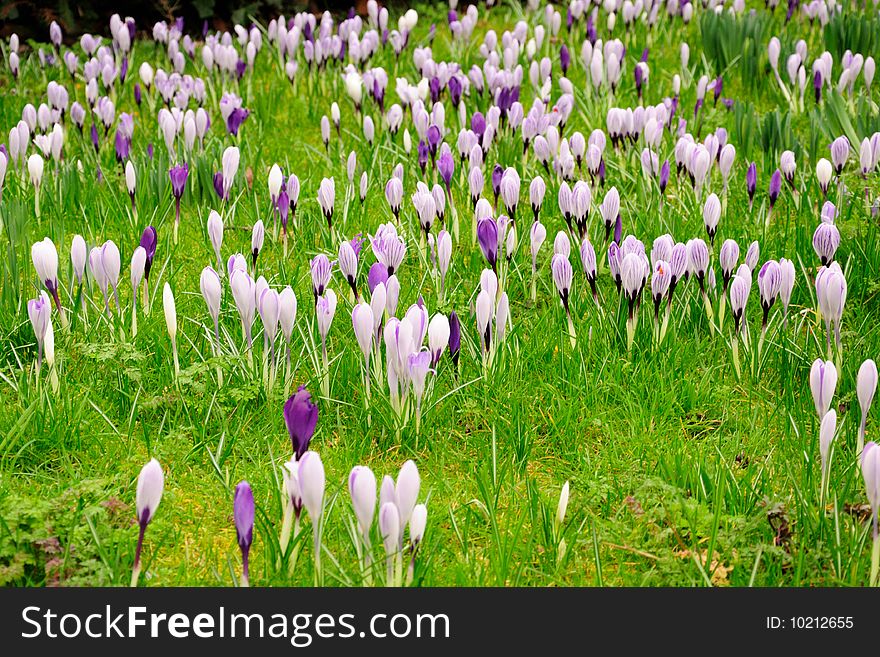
(258, 236)
(362, 489)
(130, 180)
(276, 179)
(786, 275)
(444, 252)
(823, 381)
(44, 255)
(78, 255)
(438, 337)
(392, 295)
(150, 485)
(138, 262)
(301, 418)
(866, 386)
(363, 321)
(212, 291)
(170, 309)
(537, 235)
(826, 436)
(348, 265)
(752, 255)
(243, 515)
(417, 523)
(826, 239)
(711, 215)
(454, 338)
(562, 277)
(824, 171)
(287, 305)
(325, 310)
(870, 463)
(389, 528)
(215, 233)
(311, 479)
(562, 506)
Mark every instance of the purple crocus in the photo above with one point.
(178, 176)
(454, 87)
(243, 514)
(817, 85)
(497, 175)
(454, 339)
(148, 241)
(95, 139)
(218, 186)
(424, 153)
(751, 182)
(235, 119)
(446, 167)
(123, 146)
(565, 59)
(478, 124)
(775, 187)
(301, 417)
(487, 235)
(137, 93)
(378, 274)
(663, 179)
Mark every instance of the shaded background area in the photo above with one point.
(30, 19)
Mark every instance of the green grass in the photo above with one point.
(670, 458)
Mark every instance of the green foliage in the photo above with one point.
(854, 31)
(735, 43)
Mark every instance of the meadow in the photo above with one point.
(578, 437)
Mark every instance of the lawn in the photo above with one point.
(681, 471)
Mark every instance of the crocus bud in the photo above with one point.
(212, 291)
(78, 254)
(562, 506)
(362, 320)
(823, 381)
(362, 489)
(417, 523)
(866, 386)
(824, 172)
(243, 515)
(311, 484)
(826, 435)
(438, 337)
(389, 528)
(276, 178)
(170, 309)
(258, 236)
(215, 233)
(150, 484)
(301, 418)
(870, 462)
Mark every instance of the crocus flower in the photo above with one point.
(827, 429)
(866, 386)
(301, 418)
(40, 314)
(215, 234)
(487, 235)
(823, 381)
(739, 296)
(230, 161)
(243, 514)
(660, 279)
(311, 479)
(178, 176)
(839, 153)
(258, 236)
(363, 321)
(831, 291)
(44, 255)
(711, 215)
(769, 283)
(389, 528)
(751, 182)
(826, 239)
(170, 310)
(112, 264)
(775, 187)
(212, 291)
(444, 256)
(138, 264)
(150, 484)
(321, 271)
(870, 463)
(326, 197)
(823, 174)
(362, 489)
